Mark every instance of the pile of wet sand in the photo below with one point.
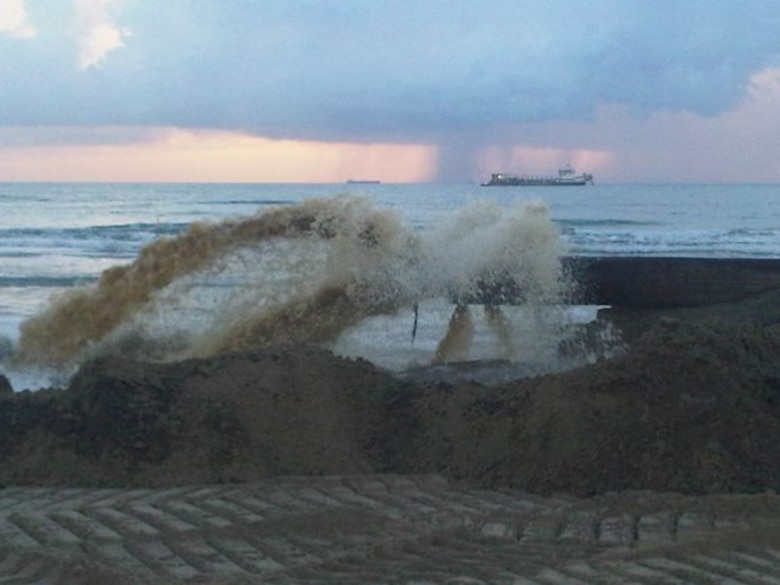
(692, 406)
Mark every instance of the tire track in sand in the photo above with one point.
(383, 529)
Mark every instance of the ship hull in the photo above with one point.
(535, 183)
(566, 178)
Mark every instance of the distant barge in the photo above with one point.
(566, 178)
(363, 181)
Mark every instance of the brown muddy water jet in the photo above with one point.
(296, 274)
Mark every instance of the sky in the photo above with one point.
(393, 90)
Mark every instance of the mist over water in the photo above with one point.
(311, 272)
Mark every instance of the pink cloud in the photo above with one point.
(622, 145)
(175, 155)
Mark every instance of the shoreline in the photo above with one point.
(292, 465)
(672, 413)
(304, 411)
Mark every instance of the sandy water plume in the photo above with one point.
(293, 274)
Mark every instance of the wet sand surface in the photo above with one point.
(382, 529)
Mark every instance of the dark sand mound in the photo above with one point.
(691, 407)
(243, 416)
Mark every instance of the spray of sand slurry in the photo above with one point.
(293, 274)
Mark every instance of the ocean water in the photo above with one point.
(169, 271)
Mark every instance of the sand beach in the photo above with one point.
(391, 475)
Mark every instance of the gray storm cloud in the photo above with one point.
(381, 70)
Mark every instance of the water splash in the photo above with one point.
(294, 274)
(457, 341)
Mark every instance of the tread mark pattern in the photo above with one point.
(368, 529)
